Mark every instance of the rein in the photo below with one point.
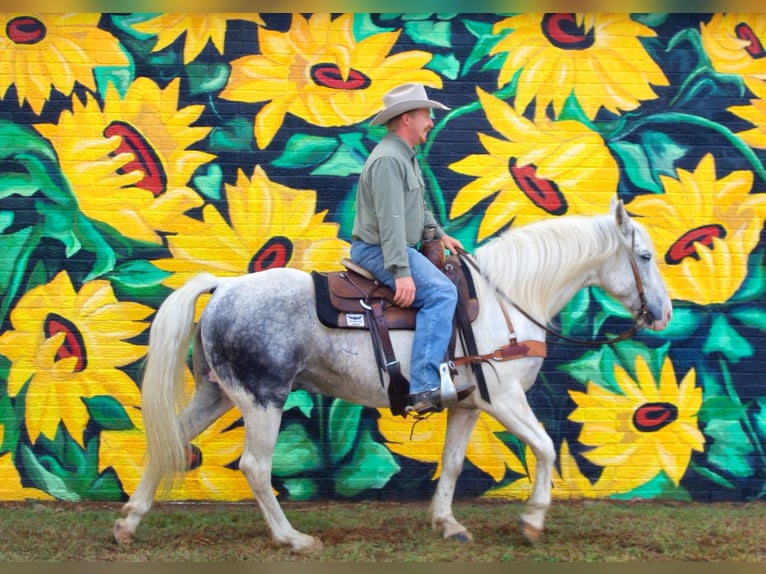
(643, 310)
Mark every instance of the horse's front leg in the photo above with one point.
(460, 425)
(512, 410)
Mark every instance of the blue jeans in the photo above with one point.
(435, 300)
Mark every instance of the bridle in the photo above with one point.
(643, 315)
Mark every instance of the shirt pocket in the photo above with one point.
(415, 181)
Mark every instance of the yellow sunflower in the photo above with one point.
(485, 450)
(735, 45)
(199, 29)
(704, 250)
(598, 58)
(569, 483)
(129, 164)
(271, 226)
(320, 73)
(10, 482)
(650, 427)
(755, 113)
(537, 169)
(44, 52)
(213, 473)
(69, 345)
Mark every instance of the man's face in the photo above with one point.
(419, 125)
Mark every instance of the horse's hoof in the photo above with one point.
(463, 536)
(308, 545)
(121, 534)
(530, 533)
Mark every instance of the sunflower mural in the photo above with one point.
(138, 149)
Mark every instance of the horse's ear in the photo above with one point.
(621, 217)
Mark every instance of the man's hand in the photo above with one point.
(451, 243)
(405, 291)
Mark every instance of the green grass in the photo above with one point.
(578, 531)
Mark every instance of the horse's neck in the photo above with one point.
(541, 273)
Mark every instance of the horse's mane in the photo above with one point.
(531, 264)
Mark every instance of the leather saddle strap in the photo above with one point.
(398, 385)
(469, 344)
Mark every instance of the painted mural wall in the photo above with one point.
(139, 149)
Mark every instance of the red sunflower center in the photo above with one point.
(73, 345)
(684, 245)
(25, 30)
(276, 252)
(145, 158)
(329, 76)
(755, 48)
(543, 193)
(193, 457)
(651, 417)
(562, 31)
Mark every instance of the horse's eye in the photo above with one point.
(646, 256)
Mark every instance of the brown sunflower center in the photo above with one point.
(73, 345)
(543, 193)
(145, 159)
(651, 417)
(329, 76)
(25, 30)
(755, 48)
(276, 252)
(684, 245)
(562, 30)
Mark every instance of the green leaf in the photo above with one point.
(730, 448)
(661, 486)
(723, 338)
(372, 466)
(754, 286)
(206, 77)
(345, 161)
(713, 476)
(303, 150)
(721, 408)
(45, 480)
(662, 153)
(209, 184)
(343, 428)
(750, 316)
(446, 65)
(295, 452)
(760, 417)
(108, 413)
(429, 33)
(486, 40)
(636, 164)
(106, 486)
(684, 323)
(234, 135)
(300, 488)
(301, 400)
(137, 274)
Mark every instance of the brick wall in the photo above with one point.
(138, 150)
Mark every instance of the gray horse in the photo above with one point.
(258, 338)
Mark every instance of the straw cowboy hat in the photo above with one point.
(403, 99)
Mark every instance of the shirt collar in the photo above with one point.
(409, 150)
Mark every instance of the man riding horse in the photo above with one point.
(391, 216)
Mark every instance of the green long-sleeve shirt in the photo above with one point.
(390, 203)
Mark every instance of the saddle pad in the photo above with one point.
(347, 312)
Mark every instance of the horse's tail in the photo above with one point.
(162, 388)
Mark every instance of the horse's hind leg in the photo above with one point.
(460, 425)
(261, 432)
(207, 405)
